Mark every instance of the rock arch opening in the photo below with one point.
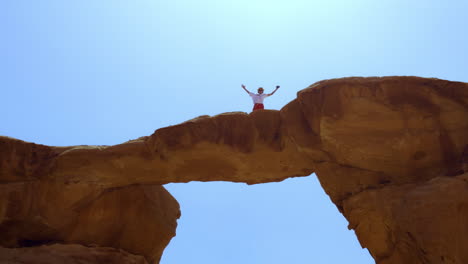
(288, 222)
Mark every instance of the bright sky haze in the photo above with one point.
(103, 72)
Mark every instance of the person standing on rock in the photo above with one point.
(259, 97)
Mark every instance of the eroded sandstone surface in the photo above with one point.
(70, 254)
(388, 151)
(138, 219)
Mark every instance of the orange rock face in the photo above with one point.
(390, 152)
(70, 254)
(138, 219)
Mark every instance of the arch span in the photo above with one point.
(388, 151)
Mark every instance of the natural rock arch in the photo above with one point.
(388, 151)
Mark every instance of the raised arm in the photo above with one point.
(277, 87)
(243, 87)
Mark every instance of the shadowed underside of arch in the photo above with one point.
(388, 151)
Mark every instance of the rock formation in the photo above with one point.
(388, 151)
(138, 219)
(70, 254)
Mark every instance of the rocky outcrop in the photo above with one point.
(138, 219)
(388, 151)
(70, 254)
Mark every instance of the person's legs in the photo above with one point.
(258, 107)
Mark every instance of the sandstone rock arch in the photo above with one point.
(388, 151)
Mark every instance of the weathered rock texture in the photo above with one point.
(69, 254)
(388, 151)
(138, 219)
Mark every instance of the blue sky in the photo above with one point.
(103, 72)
